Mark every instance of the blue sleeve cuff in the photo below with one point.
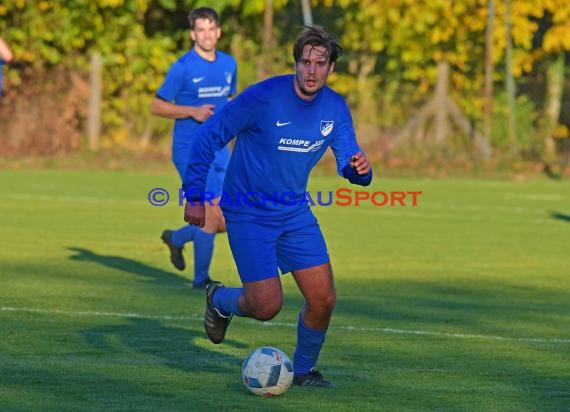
(353, 177)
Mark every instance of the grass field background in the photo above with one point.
(459, 303)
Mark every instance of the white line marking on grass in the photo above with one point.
(71, 199)
(546, 220)
(98, 313)
(540, 197)
(462, 335)
(286, 324)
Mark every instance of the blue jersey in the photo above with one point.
(280, 138)
(194, 81)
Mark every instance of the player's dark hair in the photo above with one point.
(317, 36)
(203, 13)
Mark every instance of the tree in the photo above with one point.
(484, 144)
(556, 42)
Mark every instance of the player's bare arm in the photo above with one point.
(202, 113)
(5, 51)
(174, 111)
(359, 162)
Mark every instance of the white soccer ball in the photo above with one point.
(267, 372)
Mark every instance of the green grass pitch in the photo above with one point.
(459, 303)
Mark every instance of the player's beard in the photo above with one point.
(308, 92)
(206, 47)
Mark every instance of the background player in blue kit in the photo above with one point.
(6, 56)
(196, 85)
(283, 127)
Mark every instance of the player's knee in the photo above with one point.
(330, 302)
(325, 305)
(220, 223)
(267, 310)
(216, 219)
(222, 226)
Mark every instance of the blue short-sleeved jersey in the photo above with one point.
(280, 138)
(194, 81)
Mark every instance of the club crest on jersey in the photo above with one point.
(228, 77)
(326, 127)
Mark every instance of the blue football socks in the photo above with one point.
(225, 300)
(184, 235)
(309, 344)
(203, 251)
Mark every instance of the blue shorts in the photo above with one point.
(261, 247)
(216, 174)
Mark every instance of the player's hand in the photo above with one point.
(202, 113)
(359, 162)
(195, 214)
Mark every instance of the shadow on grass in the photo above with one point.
(560, 216)
(493, 308)
(130, 266)
(36, 387)
(509, 342)
(174, 347)
(122, 367)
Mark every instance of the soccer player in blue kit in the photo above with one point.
(283, 127)
(6, 56)
(198, 84)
